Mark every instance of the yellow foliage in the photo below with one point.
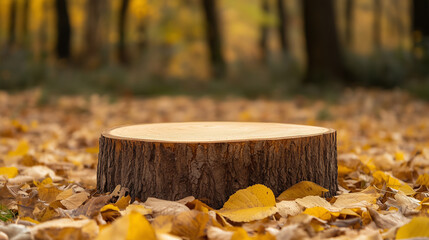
(123, 202)
(241, 234)
(418, 227)
(9, 172)
(253, 203)
(423, 180)
(302, 189)
(319, 212)
(29, 219)
(20, 150)
(381, 178)
(109, 207)
(129, 227)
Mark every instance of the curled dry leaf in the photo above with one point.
(190, 224)
(253, 203)
(130, 226)
(288, 208)
(65, 229)
(302, 189)
(75, 200)
(164, 207)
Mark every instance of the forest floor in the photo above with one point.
(48, 158)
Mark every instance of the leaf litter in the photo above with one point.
(48, 159)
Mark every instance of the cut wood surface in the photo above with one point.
(212, 160)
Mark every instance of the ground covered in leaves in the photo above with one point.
(48, 157)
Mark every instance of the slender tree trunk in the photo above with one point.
(282, 26)
(349, 22)
(324, 58)
(93, 32)
(214, 39)
(24, 23)
(377, 24)
(122, 50)
(12, 24)
(63, 30)
(142, 35)
(420, 19)
(263, 42)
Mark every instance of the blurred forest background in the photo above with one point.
(250, 48)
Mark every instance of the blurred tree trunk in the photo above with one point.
(263, 42)
(324, 58)
(24, 22)
(377, 24)
(93, 32)
(63, 29)
(282, 26)
(213, 38)
(349, 22)
(420, 21)
(12, 24)
(122, 23)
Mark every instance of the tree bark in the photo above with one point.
(420, 26)
(324, 57)
(122, 23)
(212, 160)
(93, 31)
(263, 41)
(63, 30)
(377, 24)
(282, 26)
(214, 38)
(349, 22)
(12, 23)
(24, 22)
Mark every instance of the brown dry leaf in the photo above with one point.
(63, 229)
(164, 207)
(253, 203)
(190, 224)
(356, 200)
(92, 207)
(302, 189)
(288, 208)
(163, 223)
(75, 200)
(315, 201)
(387, 221)
(130, 226)
(64, 194)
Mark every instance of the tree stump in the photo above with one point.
(212, 160)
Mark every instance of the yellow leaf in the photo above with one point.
(109, 207)
(123, 202)
(9, 172)
(381, 178)
(92, 150)
(418, 227)
(319, 212)
(29, 219)
(139, 209)
(343, 170)
(423, 180)
(20, 150)
(190, 224)
(253, 203)
(129, 227)
(163, 223)
(399, 156)
(75, 200)
(302, 189)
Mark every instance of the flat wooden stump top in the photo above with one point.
(212, 132)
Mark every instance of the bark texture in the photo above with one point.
(214, 171)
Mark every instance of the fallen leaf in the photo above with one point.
(123, 202)
(9, 172)
(288, 208)
(302, 189)
(130, 226)
(92, 206)
(253, 203)
(417, 228)
(315, 201)
(190, 224)
(164, 207)
(381, 178)
(65, 229)
(20, 150)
